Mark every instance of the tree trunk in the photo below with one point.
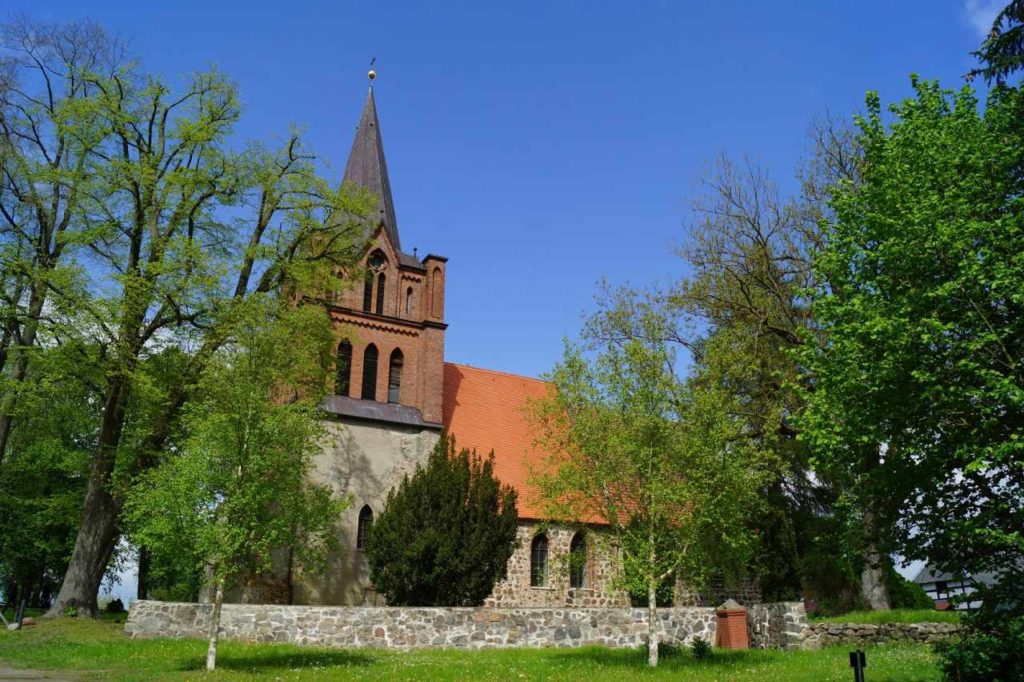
(872, 575)
(211, 650)
(652, 624)
(101, 512)
(142, 589)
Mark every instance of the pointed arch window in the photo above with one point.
(367, 291)
(370, 373)
(578, 561)
(363, 526)
(539, 561)
(395, 376)
(435, 291)
(343, 381)
(408, 302)
(380, 293)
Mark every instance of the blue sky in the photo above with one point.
(543, 146)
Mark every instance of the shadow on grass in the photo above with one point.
(668, 657)
(269, 659)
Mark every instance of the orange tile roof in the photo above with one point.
(486, 410)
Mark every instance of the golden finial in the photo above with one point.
(372, 74)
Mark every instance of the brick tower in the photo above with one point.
(394, 365)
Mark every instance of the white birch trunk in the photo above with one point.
(211, 651)
(652, 624)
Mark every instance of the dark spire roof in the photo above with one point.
(366, 167)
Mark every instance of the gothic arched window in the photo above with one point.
(395, 376)
(435, 299)
(344, 368)
(408, 301)
(367, 291)
(364, 525)
(578, 561)
(539, 561)
(370, 373)
(380, 293)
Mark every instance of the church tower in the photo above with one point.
(392, 369)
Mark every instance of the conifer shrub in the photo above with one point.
(446, 533)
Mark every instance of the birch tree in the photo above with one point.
(659, 462)
(240, 488)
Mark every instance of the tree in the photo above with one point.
(182, 229)
(1002, 52)
(239, 490)
(446, 533)
(50, 130)
(658, 460)
(921, 298)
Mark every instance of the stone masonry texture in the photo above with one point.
(411, 628)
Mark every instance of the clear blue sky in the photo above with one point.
(544, 145)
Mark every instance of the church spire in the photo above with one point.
(366, 166)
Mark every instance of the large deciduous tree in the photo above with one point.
(660, 461)
(446, 533)
(51, 127)
(921, 292)
(178, 229)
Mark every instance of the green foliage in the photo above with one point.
(446, 533)
(701, 649)
(239, 489)
(989, 651)
(1002, 52)
(918, 397)
(924, 314)
(906, 594)
(928, 615)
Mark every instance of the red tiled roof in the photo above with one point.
(486, 410)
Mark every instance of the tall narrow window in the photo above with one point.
(395, 376)
(344, 378)
(380, 293)
(370, 373)
(408, 302)
(578, 561)
(367, 291)
(435, 291)
(539, 561)
(364, 525)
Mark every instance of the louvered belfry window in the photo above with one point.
(367, 292)
(344, 369)
(380, 293)
(395, 376)
(370, 373)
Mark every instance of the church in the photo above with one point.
(394, 393)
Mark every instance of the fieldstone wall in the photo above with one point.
(777, 626)
(599, 575)
(818, 635)
(409, 628)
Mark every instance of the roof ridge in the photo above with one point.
(498, 371)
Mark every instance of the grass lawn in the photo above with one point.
(893, 616)
(99, 650)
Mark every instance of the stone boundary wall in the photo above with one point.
(779, 626)
(413, 628)
(818, 635)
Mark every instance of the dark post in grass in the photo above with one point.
(858, 662)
